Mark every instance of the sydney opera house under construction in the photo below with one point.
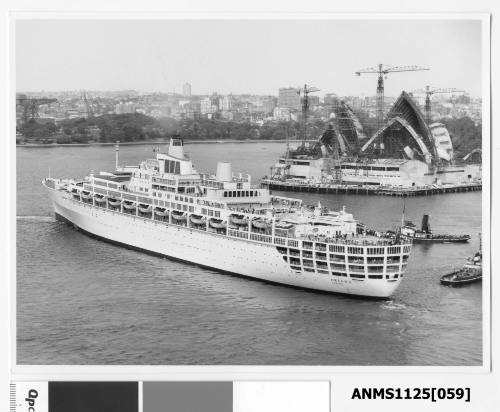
(405, 151)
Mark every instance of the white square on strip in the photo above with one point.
(281, 396)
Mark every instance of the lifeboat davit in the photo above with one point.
(114, 202)
(239, 220)
(144, 208)
(86, 194)
(100, 198)
(128, 204)
(160, 211)
(197, 219)
(180, 216)
(261, 224)
(217, 223)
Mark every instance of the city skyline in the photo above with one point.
(245, 57)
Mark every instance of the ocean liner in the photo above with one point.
(163, 206)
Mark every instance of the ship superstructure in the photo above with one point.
(165, 207)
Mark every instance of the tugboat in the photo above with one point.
(410, 231)
(472, 271)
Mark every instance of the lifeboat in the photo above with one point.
(239, 220)
(127, 204)
(197, 219)
(180, 216)
(217, 223)
(100, 198)
(144, 208)
(261, 224)
(114, 202)
(86, 194)
(160, 211)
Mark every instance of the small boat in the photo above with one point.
(176, 215)
(261, 224)
(100, 198)
(239, 220)
(197, 219)
(144, 208)
(424, 235)
(127, 204)
(86, 194)
(217, 223)
(114, 202)
(472, 271)
(160, 211)
(462, 277)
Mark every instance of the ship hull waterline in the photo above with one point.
(241, 258)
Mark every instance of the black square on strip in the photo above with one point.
(93, 397)
(187, 396)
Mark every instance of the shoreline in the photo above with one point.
(152, 142)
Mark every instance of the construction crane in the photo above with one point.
(304, 91)
(428, 94)
(88, 106)
(30, 106)
(382, 70)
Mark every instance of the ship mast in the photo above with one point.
(117, 150)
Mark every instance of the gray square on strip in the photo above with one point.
(187, 397)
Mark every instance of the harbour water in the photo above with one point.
(83, 301)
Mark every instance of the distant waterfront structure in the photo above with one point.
(288, 97)
(186, 89)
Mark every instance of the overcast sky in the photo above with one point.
(245, 56)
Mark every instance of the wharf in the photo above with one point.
(369, 189)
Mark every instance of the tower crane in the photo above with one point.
(304, 91)
(29, 106)
(382, 70)
(428, 95)
(88, 106)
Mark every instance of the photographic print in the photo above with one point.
(269, 191)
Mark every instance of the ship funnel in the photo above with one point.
(425, 224)
(224, 173)
(176, 148)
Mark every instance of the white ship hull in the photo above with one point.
(237, 256)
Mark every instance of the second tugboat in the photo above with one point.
(424, 235)
(471, 272)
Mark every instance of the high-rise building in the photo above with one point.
(269, 104)
(186, 89)
(289, 97)
(226, 103)
(205, 105)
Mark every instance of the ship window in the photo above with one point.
(375, 276)
(352, 275)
